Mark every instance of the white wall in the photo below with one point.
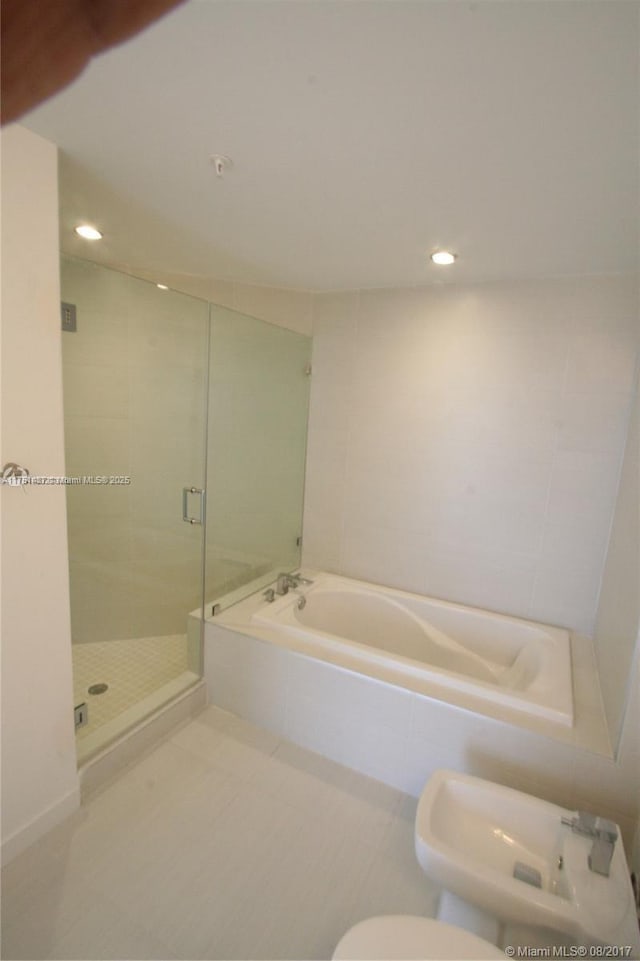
(466, 442)
(39, 779)
(618, 621)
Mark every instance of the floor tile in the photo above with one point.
(222, 842)
(104, 933)
(55, 903)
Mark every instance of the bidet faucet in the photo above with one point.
(604, 834)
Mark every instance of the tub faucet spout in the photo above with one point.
(299, 579)
(286, 581)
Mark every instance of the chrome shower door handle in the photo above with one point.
(185, 505)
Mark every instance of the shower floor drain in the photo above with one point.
(98, 688)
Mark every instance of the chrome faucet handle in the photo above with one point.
(607, 830)
(591, 826)
(582, 823)
(287, 581)
(604, 834)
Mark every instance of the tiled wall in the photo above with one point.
(466, 442)
(618, 622)
(134, 405)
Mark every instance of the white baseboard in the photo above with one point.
(21, 839)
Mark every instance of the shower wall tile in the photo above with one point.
(165, 390)
(160, 341)
(182, 458)
(95, 502)
(105, 539)
(469, 439)
(96, 445)
(95, 290)
(286, 308)
(134, 381)
(96, 341)
(99, 616)
(98, 390)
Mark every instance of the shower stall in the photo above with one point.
(185, 435)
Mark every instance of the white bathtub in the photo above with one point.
(496, 659)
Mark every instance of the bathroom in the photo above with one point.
(470, 433)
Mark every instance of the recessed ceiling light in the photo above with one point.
(88, 232)
(162, 286)
(443, 257)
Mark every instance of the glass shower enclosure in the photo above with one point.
(185, 432)
(256, 443)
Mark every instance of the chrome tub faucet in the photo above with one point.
(287, 581)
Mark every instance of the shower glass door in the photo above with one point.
(135, 391)
(258, 407)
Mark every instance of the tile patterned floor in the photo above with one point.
(133, 669)
(223, 842)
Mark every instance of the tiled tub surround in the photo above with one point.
(468, 442)
(465, 442)
(392, 730)
(482, 658)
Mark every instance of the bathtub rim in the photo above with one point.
(589, 731)
(364, 655)
(552, 634)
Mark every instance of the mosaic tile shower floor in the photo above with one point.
(132, 669)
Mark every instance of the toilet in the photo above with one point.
(393, 937)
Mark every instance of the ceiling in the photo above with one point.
(363, 135)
